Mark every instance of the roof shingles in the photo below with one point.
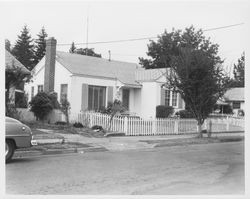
(10, 60)
(93, 66)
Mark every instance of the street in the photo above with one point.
(195, 169)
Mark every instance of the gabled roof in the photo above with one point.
(235, 94)
(99, 67)
(10, 60)
(150, 74)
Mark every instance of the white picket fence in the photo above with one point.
(133, 126)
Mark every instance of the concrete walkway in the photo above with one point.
(123, 142)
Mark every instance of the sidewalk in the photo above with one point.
(123, 142)
(88, 144)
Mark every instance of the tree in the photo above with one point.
(72, 48)
(24, 49)
(40, 46)
(65, 107)
(14, 76)
(113, 109)
(87, 51)
(7, 45)
(195, 69)
(239, 72)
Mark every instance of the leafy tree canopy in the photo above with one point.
(169, 43)
(24, 49)
(196, 71)
(239, 72)
(40, 46)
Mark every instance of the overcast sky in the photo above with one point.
(108, 21)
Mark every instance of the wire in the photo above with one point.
(144, 38)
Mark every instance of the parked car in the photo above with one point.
(17, 135)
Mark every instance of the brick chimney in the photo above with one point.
(50, 58)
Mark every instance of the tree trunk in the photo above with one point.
(200, 130)
(110, 121)
(209, 129)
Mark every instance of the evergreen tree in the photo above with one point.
(239, 72)
(40, 46)
(24, 49)
(7, 45)
(72, 48)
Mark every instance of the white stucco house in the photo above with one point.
(89, 83)
(235, 98)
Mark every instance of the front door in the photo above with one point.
(125, 98)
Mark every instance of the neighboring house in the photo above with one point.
(89, 83)
(235, 97)
(10, 62)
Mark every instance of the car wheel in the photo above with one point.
(9, 150)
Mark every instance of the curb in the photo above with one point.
(21, 154)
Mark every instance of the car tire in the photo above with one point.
(9, 150)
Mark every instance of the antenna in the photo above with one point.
(87, 37)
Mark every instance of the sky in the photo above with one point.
(120, 20)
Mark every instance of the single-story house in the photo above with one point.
(89, 83)
(235, 98)
(10, 63)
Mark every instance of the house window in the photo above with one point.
(64, 91)
(174, 98)
(167, 97)
(96, 98)
(32, 92)
(40, 88)
(236, 105)
(125, 98)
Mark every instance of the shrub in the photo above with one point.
(53, 99)
(41, 105)
(164, 111)
(60, 123)
(78, 125)
(184, 114)
(97, 128)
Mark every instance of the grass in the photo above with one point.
(62, 129)
(191, 141)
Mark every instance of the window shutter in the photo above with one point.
(162, 96)
(85, 91)
(110, 94)
(180, 103)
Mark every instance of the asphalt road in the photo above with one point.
(195, 169)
